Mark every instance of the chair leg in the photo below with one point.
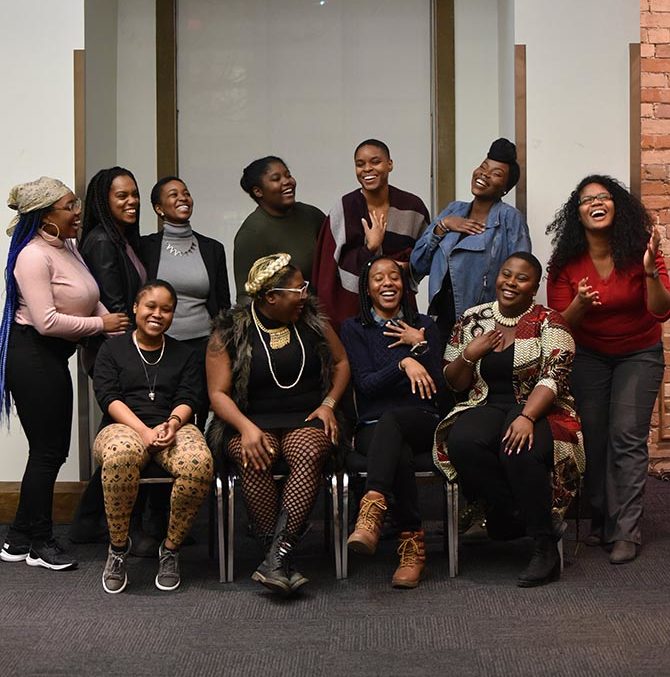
(327, 506)
(211, 524)
(230, 524)
(451, 489)
(220, 528)
(337, 524)
(345, 525)
(559, 545)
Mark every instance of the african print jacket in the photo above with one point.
(543, 353)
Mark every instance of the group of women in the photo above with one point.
(484, 385)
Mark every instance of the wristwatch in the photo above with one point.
(653, 276)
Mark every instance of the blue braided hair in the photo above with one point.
(24, 232)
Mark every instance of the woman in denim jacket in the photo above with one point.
(464, 247)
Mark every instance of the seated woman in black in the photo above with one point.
(275, 372)
(395, 363)
(147, 385)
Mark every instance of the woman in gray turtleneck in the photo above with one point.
(195, 265)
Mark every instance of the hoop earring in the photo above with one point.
(48, 236)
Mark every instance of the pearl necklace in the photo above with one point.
(260, 326)
(507, 321)
(152, 387)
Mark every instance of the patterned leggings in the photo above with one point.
(122, 455)
(305, 451)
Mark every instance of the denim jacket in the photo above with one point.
(475, 260)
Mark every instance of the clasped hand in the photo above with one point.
(160, 436)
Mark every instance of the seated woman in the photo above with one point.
(376, 218)
(147, 385)
(517, 436)
(278, 222)
(464, 247)
(396, 368)
(275, 372)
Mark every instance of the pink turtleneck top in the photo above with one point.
(57, 294)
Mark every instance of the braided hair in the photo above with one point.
(408, 311)
(25, 230)
(97, 211)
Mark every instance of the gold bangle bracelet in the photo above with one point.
(470, 363)
(329, 402)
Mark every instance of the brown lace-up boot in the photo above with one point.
(365, 536)
(412, 551)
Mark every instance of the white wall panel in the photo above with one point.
(305, 80)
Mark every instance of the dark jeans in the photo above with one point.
(390, 446)
(615, 397)
(510, 485)
(200, 347)
(39, 381)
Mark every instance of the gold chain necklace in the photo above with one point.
(279, 337)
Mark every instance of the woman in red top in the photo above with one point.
(608, 278)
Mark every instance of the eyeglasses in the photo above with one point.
(590, 199)
(302, 289)
(69, 207)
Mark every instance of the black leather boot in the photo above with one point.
(272, 571)
(295, 578)
(544, 566)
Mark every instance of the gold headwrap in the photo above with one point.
(263, 270)
(28, 197)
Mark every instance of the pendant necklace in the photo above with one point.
(279, 337)
(144, 362)
(260, 327)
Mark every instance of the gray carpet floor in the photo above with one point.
(599, 620)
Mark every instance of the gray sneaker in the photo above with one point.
(114, 576)
(167, 577)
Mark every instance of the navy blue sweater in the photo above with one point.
(378, 383)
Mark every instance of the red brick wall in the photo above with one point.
(655, 129)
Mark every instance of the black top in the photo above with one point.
(497, 370)
(269, 405)
(114, 272)
(119, 376)
(214, 258)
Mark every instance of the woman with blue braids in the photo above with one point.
(52, 301)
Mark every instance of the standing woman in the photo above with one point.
(52, 301)
(463, 249)
(278, 223)
(396, 364)
(110, 237)
(195, 265)
(376, 218)
(276, 371)
(608, 278)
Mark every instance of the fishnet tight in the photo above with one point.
(305, 451)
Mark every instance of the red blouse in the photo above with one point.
(622, 324)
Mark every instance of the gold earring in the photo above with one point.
(46, 233)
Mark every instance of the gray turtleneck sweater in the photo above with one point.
(188, 275)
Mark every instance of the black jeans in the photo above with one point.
(39, 381)
(518, 483)
(615, 397)
(390, 446)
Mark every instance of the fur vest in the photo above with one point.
(234, 328)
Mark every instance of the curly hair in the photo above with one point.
(628, 236)
(408, 311)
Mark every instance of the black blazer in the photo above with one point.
(114, 272)
(213, 256)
